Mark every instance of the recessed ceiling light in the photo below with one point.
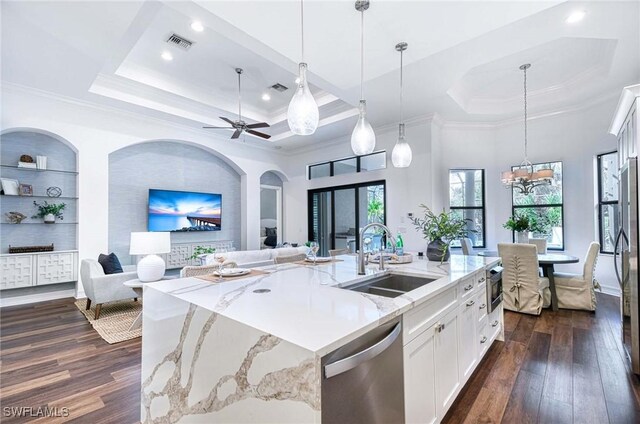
(576, 16)
(266, 97)
(167, 56)
(197, 26)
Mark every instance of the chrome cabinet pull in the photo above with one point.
(439, 327)
(469, 287)
(482, 306)
(483, 339)
(495, 323)
(471, 302)
(482, 280)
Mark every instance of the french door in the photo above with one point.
(336, 215)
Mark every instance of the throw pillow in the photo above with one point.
(271, 231)
(271, 241)
(110, 263)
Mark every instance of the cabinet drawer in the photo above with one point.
(481, 304)
(495, 322)
(467, 286)
(422, 317)
(484, 339)
(481, 277)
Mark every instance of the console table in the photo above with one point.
(180, 254)
(38, 269)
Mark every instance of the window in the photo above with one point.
(607, 200)
(336, 215)
(466, 200)
(545, 207)
(350, 165)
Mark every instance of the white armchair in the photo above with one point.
(101, 288)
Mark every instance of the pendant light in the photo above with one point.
(302, 114)
(523, 178)
(363, 139)
(401, 155)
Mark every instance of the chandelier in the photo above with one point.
(523, 178)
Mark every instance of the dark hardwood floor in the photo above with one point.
(561, 367)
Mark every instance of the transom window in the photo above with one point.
(466, 200)
(544, 207)
(350, 165)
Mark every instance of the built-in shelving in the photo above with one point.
(60, 171)
(39, 223)
(38, 196)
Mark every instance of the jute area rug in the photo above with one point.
(115, 319)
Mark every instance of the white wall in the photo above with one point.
(95, 131)
(574, 138)
(406, 188)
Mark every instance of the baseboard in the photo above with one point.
(34, 298)
(613, 291)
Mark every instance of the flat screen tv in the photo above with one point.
(184, 211)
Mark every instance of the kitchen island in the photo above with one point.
(250, 350)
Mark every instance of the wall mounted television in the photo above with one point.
(184, 211)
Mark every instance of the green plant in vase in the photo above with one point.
(521, 225)
(49, 211)
(440, 230)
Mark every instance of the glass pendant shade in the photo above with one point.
(363, 139)
(401, 155)
(302, 114)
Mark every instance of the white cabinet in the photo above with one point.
(420, 379)
(467, 337)
(38, 269)
(17, 271)
(625, 124)
(431, 371)
(446, 361)
(56, 268)
(180, 255)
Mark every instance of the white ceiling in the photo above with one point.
(462, 62)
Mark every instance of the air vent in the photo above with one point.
(279, 87)
(179, 41)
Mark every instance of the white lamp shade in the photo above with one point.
(143, 243)
(302, 114)
(363, 139)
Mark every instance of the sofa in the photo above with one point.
(254, 258)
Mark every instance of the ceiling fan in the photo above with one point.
(240, 126)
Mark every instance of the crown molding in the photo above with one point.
(490, 125)
(628, 96)
(18, 88)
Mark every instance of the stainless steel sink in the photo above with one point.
(390, 285)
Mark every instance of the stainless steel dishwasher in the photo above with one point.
(363, 382)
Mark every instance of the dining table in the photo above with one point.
(547, 262)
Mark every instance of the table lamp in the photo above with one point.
(151, 267)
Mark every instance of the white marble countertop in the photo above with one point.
(306, 307)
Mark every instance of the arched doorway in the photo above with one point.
(271, 234)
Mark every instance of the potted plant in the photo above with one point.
(521, 225)
(200, 252)
(49, 212)
(440, 230)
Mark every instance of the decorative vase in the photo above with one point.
(49, 218)
(522, 237)
(435, 250)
